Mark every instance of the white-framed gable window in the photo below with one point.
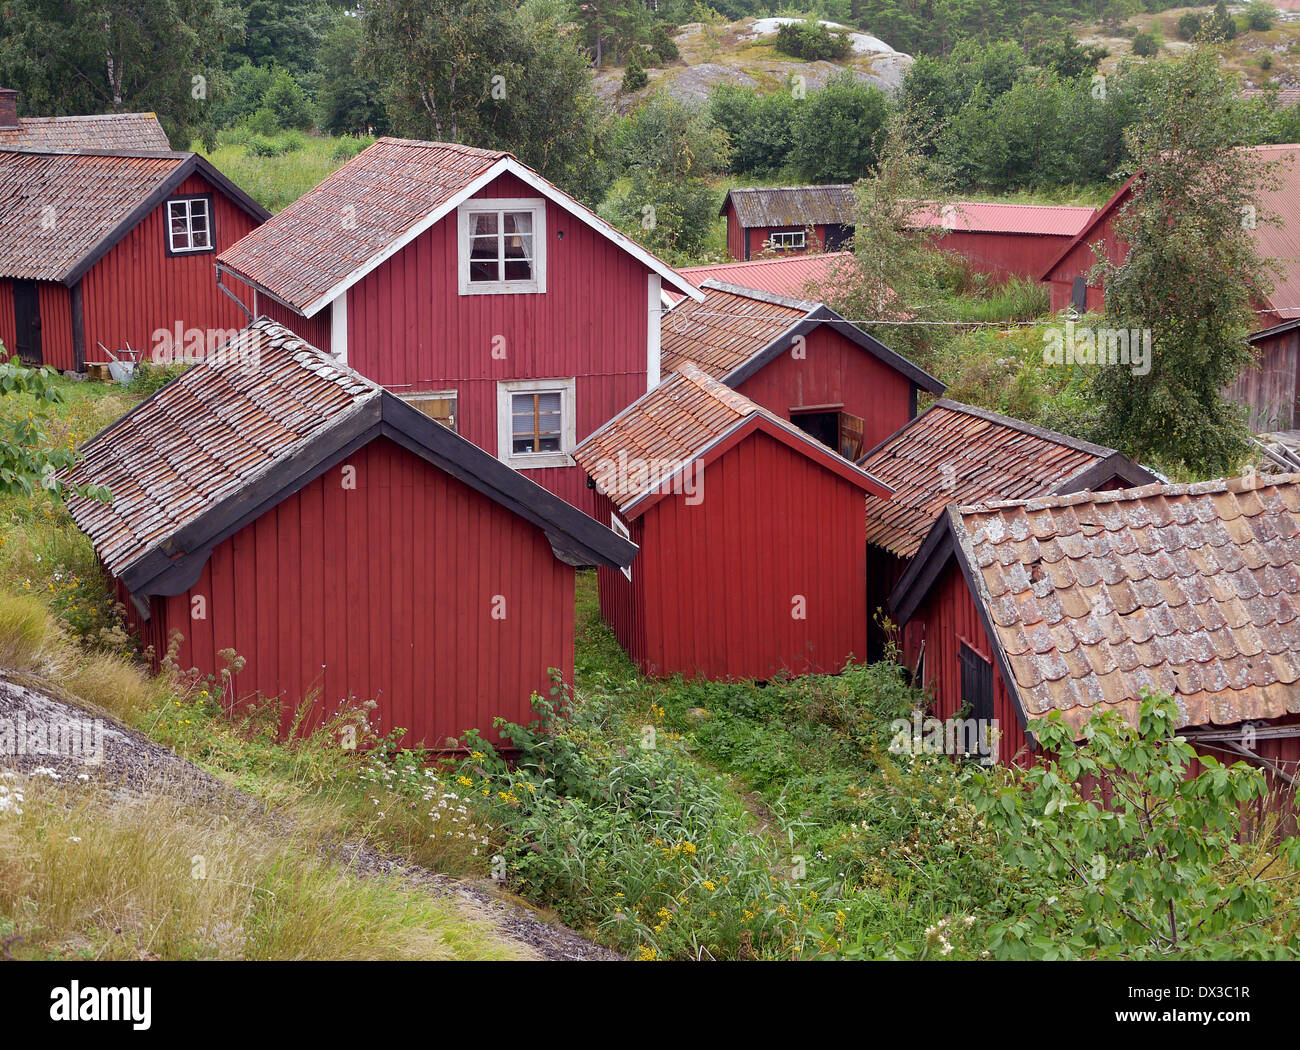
(438, 405)
(536, 424)
(502, 246)
(620, 529)
(788, 240)
(189, 225)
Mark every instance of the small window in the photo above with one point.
(536, 422)
(189, 225)
(439, 406)
(502, 246)
(788, 240)
(619, 529)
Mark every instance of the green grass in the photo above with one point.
(278, 180)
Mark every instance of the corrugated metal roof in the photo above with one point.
(1047, 220)
(355, 214)
(1189, 590)
(103, 131)
(206, 435)
(954, 453)
(725, 330)
(55, 208)
(791, 275)
(761, 206)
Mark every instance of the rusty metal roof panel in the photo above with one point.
(206, 435)
(762, 206)
(358, 212)
(56, 208)
(1192, 590)
(101, 131)
(955, 453)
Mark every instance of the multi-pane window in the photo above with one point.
(788, 240)
(536, 426)
(502, 247)
(537, 422)
(189, 224)
(440, 406)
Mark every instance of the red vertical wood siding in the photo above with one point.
(1003, 255)
(385, 593)
(757, 235)
(8, 331)
(409, 329)
(1079, 263)
(137, 288)
(716, 581)
(55, 304)
(735, 235)
(834, 372)
(315, 330)
(1270, 387)
(622, 601)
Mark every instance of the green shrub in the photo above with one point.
(1145, 45)
(634, 77)
(812, 41)
(349, 146)
(661, 44)
(1260, 16)
(149, 378)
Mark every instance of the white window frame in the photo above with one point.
(465, 213)
(439, 395)
(188, 204)
(620, 529)
(506, 389)
(787, 245)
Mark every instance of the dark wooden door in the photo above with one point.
(27, 322)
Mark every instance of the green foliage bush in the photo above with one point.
(1260, 16)
(634, 76)
(1145, 45)
(812, 41)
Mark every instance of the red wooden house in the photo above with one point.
(1078, 603)
(274, 502)
(113, 249)
(464, 282)
(788, 220)
(956, 454)
(752, 544)
(1003, 240)
(800, 360)
(1270, 390)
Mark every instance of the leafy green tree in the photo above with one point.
(1191, 277)
(759, 127)
(1143, 862)
(670, 151)
(611, 27)
(348, 103)
(288, 101)
(1260, 16)
(812, 41)
(1145, 45)
(634, 77)
(287, 33)
(238, 94)
(97, 56)
(836, 129)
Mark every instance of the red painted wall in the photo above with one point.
(385, 592)
(1003, 255)
(315, 330)
(757, 235)
(8, 335)
(835, 371)
(137, 288)
(735, 234)
(1080, 261)
(712, 589)
(55, 302)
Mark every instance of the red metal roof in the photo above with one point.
(957, 454)
(1044, 220)
(677, 423)
(101, 131)
(791, 275)
(1189, 590)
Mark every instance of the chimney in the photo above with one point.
(8, 108)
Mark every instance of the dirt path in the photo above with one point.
(37, 729)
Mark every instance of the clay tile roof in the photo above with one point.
(56, 208)
(760, 206)
(675, 424)
(1192, 590)
(729, 327)
(955, 453)
(103, 131)
(359, 211)
(206, 435)
(1054, 220)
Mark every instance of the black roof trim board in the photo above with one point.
(1277, 329)
(195, 164)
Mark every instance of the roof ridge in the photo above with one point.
(1252, 483)
(807, 305)
(82, 151)
(1020, 425)
(460, 147)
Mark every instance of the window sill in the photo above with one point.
(500, 288)
(538, 461)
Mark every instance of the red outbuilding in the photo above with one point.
(1079, 603)
(114, 250)
(1003, 240)
(466, 283)
(752, 540)
(788, 220)
(800, 360)
(273, 503)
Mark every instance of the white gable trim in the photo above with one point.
(501, 167)
(339, 328)
(654, 321)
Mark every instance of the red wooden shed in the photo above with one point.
(959, 454)
(751, 535)
(1078, 603)
(800, 360)
(114, 248)
(788, 220)
(273, 502)
(463, 281)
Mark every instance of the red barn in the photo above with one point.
(800, 360)
(1271, 389)
(464, 282)
(789, 220)
(956, 454)
(273, 502)
(114, 249)
(1003, 240)
(752, 555)
(1078, 603)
